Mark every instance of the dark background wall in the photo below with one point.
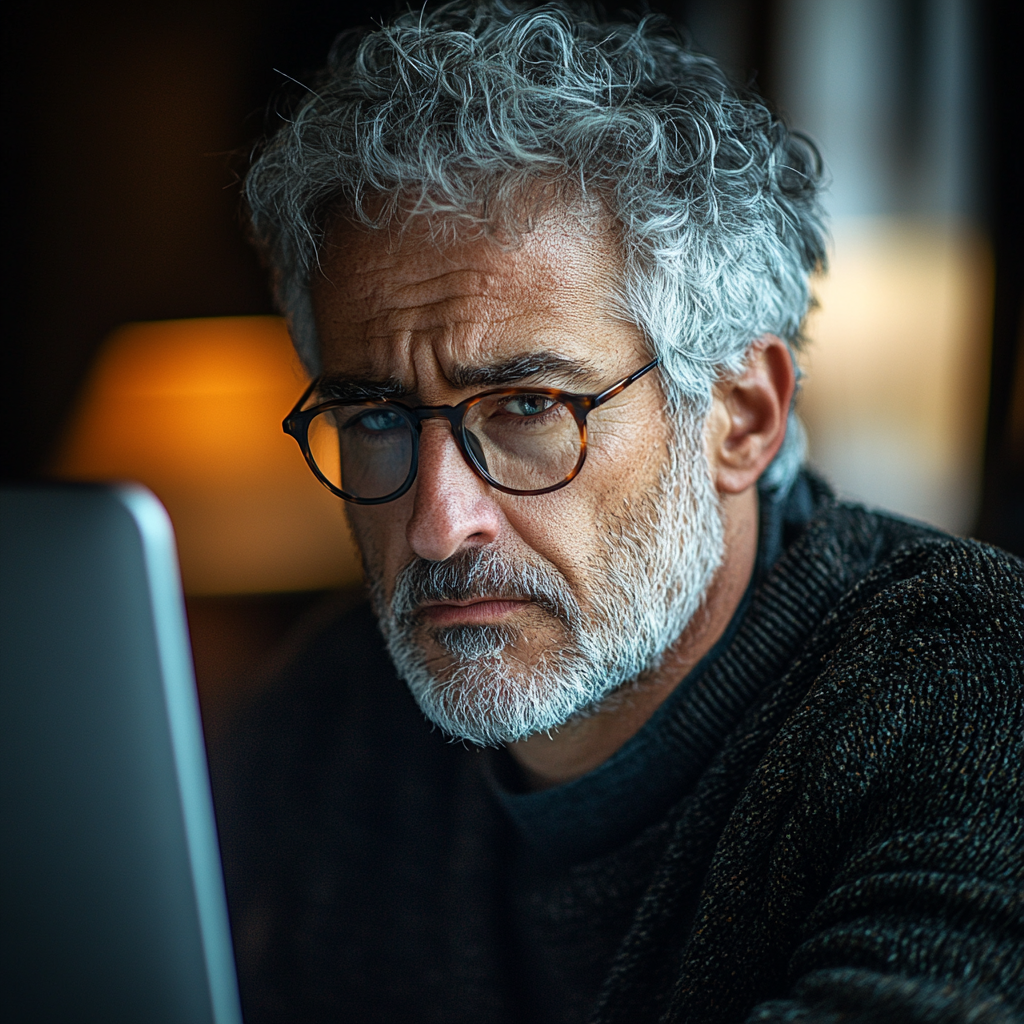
(1002, 506)
(126, 127)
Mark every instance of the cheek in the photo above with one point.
(626, 458)
(379, 533)
(568, 527)
(558, 526)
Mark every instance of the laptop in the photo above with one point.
(112, 905)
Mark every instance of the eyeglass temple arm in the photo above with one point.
(299, 404)
(623, 384)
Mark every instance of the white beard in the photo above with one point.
(645, 586)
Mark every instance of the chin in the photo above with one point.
(490, 693)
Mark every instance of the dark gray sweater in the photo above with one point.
(839, 839)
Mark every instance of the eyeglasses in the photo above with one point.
(520, 440)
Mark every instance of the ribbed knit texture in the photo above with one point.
(851, 848)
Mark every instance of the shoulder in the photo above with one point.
(912, 674)
(863, 598)
(927, 602)
(887, 576)
(333, 673)
(335, 728)
(915, 679)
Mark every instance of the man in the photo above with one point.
(731, 750)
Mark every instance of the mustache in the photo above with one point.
(481, 572)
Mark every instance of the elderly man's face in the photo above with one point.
(508, 614)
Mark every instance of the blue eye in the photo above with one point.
(528, 405)
(378, 420)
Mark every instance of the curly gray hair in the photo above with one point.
(466, 110)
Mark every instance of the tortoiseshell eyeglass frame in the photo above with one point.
(297, 422)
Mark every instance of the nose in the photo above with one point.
(453, 508)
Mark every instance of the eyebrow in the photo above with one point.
(514, 370)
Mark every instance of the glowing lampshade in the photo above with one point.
(193, 410)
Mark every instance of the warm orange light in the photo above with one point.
(193, 410)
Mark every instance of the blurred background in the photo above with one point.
(140, 340)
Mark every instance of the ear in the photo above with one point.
(747, 423)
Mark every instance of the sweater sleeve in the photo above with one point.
(845, 996)
(874, 869)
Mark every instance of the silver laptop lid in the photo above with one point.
(113, 903)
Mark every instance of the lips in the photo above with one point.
(475, 611)
(479, 586)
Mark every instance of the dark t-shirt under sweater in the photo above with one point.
(822, 821)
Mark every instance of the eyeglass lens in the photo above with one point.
(524, 442)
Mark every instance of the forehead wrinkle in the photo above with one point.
(443, 315)
(394, 282)
(377, 297)
(462, 283)
(390, 355)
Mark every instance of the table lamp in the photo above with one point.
(193, 410)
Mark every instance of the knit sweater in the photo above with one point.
(846, 842)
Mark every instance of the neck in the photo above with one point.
(580, 746)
